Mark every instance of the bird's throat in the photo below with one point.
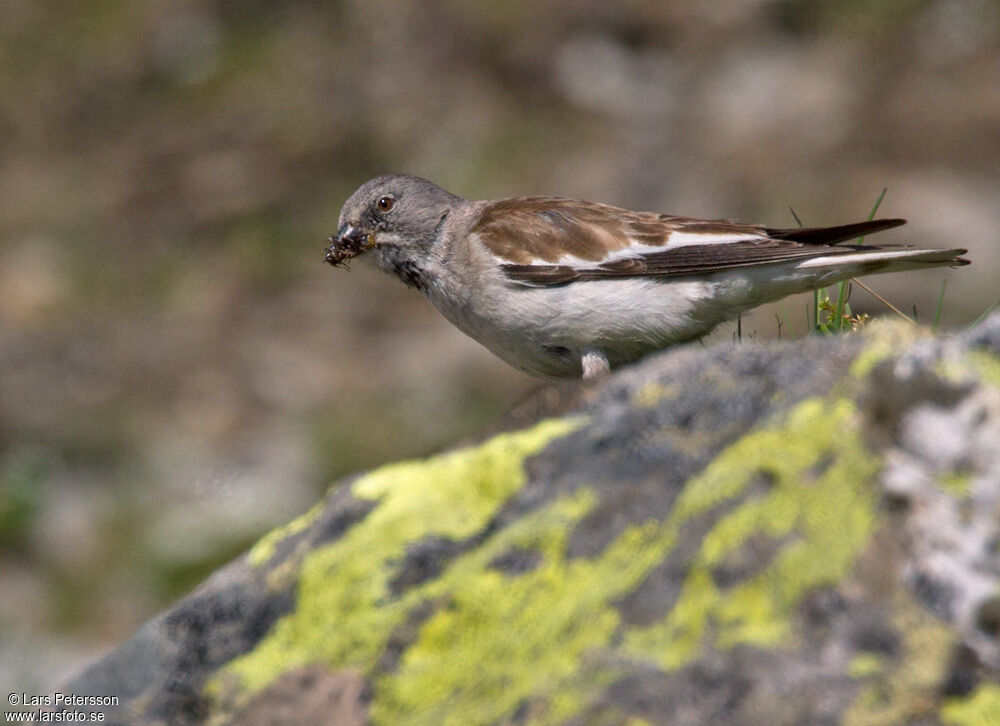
(394, 261)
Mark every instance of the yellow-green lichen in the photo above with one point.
(503, 640)
(982, 708)
(650, 394)
(819, 498)
(974, 366)
(956, 484)
(986, 366)
(344, 615)
(265, 547)
(906, 688)
(546, 638)
(864, 665)
(954, 370)
(873, 354)
(885, 338)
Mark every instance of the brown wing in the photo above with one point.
(548, 229)
(589, 241)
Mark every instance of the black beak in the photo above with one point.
(347, 243)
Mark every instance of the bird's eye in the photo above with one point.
(386, 203)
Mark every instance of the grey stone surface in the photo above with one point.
(788, 533)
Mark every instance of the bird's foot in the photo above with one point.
(595, 365)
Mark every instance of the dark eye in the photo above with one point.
(386, 203)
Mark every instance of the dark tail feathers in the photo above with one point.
(833, 235)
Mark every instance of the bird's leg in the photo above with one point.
(595, 365)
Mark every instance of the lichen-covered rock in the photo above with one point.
(748, 534)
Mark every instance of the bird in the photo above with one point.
(564, 288)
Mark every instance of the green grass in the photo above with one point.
(940, 305)
(983, 317)
(830, 316)
(838, 318)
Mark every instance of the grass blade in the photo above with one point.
(878, 203)
(838, 323)
(885, 302)
(982, 317)
(816, 311)
(842, 296)
(815, 323)
(937, 313)
(785, 316)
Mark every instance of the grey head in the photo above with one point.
(398, 216)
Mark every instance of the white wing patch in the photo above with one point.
(688, 239)
(637, 250)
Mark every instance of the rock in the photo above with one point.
(747, 534)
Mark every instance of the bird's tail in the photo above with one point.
(871, 260)
(833, 235)
(843, 263)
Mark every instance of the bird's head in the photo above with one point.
(396, 213)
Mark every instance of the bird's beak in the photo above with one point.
(347, 243)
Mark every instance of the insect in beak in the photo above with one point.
(347, 243)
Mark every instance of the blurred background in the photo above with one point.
(179, 372)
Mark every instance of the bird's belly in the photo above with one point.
(545, 331)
